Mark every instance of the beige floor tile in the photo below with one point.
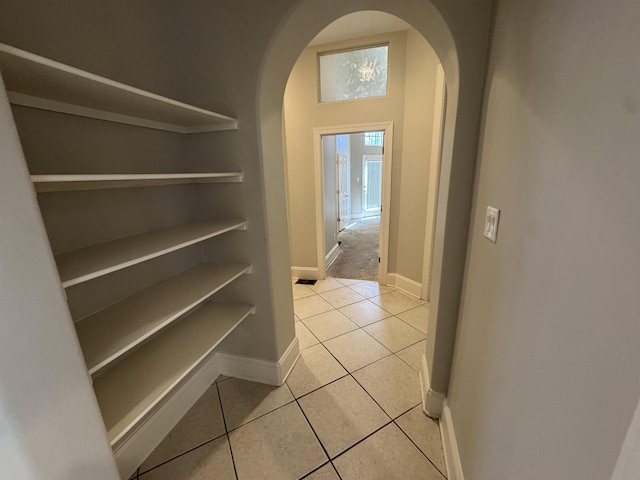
(306, 339)
(326, 285)
(342, 414)
(327, 472)
(212, 460)
(425, 433)
(392, 383)
(356, 349)
(242, 401)
(394, 334)
(386, 455)
(416, 317)
(396, 302)
(301, 291)
(295, 318)
(201, 423)
(370, 289)
(280, 445)
(413, 355)
(341, 297)
(328, 325)
(365, 312)
(315, 368)
(309, 306)
(348, 281)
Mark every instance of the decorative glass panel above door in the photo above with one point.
(353, 74)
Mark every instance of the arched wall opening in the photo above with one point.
(456, 175)
(408, 105)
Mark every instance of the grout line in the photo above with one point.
(336, 470)
(416, 445)
(313, 430)
(263, 415)
(139, 473)
(318, 388)
(361, 440)
(226, 430)
(371, 396)
(307, 475)
(181, 454)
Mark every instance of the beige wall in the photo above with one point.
(183, 50)
(545, 376)
(411, 69)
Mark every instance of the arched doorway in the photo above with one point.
(458, 159)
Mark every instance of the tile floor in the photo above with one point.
(350, 408)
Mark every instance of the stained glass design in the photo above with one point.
(354, 74)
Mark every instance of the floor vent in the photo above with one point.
(302, 281)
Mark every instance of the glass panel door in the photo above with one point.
(372, 182)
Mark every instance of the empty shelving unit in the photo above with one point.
(130, 246)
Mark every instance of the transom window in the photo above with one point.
(359, 73)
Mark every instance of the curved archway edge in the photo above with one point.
(463, 61)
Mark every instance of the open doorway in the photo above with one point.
(352, 166)
(346, 201)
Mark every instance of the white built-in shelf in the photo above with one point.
(65, 183)
(134, 387)
(110, 333)
(39, 82)
(92, 262)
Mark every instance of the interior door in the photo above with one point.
(344, 191)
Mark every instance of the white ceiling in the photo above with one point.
(359, 24)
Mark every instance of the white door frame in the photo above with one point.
(318, 132)
(434, 180)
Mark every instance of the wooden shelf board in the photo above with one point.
(40, 82)
(64, 183)
(91, 262)
(138, 384)
(112, 332)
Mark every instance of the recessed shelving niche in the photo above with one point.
(142, 350)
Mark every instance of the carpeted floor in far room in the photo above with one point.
(358, 258)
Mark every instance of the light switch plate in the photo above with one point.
(491, 223)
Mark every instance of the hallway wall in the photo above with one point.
(217, 55)
(412, 65)
(545, 375)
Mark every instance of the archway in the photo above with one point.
(458, 158)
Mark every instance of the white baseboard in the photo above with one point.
(403, 283)
(132, 452)
(332, 255)
(450, 445)
(432, 401)
(308, 273)
(257, 370)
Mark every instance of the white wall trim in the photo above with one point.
(134, 449)
(432, 401)
(434, 179)
(387, 158)
(450, 445)
(406, 284)
(332, 255)
(308, 273)
(258, 370)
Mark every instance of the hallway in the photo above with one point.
(359, 250)
(333, 418)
